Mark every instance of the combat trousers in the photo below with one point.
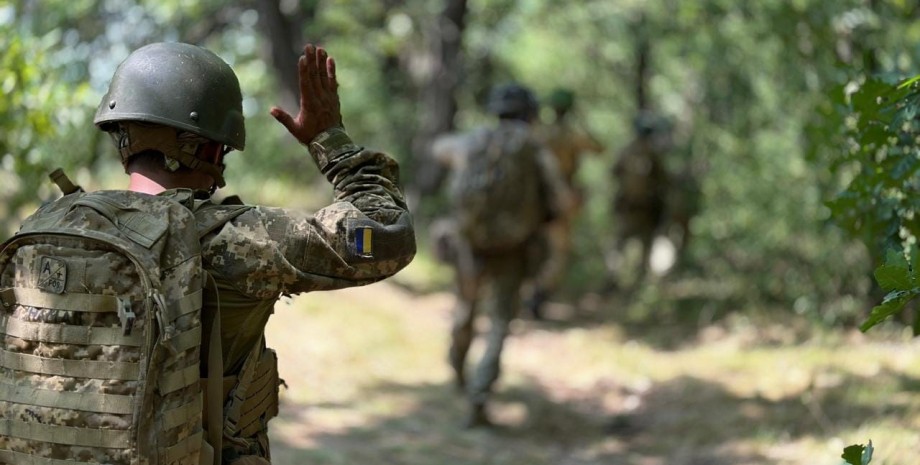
(489, 283)
(559, 244)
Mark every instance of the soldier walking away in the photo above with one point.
(642, 186)
(568, 142)
(174, 287)
(503, 187)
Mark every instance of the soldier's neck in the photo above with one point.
(145, 185)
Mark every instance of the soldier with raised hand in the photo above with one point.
(503, 186)
(569, 142)
(174, 112)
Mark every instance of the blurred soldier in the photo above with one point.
(503, 187)
(642, 187)
(568, 143)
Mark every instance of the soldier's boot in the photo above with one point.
(477, 416)
(459, 377)
(535, 304)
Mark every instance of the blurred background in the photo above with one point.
(790, 193)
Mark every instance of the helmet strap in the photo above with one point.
(178, 147)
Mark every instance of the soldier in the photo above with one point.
(174, 112)
(568, 143)
(642, 187)
(503, 187)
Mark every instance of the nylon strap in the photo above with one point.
(69, 334)
(180, 415)
(8, 456)
(187, 340)
(184, 448)
(176, 380)
(86, 437)
(71, 301)
(250, 423)
(215, 389)
(187, 304)
(126, 371)
(83, 401)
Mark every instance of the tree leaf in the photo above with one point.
(895, 274)
(893, 304)
(853, 454)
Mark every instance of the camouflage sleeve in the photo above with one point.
(559, 197)
(364, 235)
(587, 143)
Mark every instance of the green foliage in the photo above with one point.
(773, 112)
(898, 277)
(858, 454)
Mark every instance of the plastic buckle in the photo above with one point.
(127, 316)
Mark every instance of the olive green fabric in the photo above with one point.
(497, 188)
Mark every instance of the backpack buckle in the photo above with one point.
(127, 316)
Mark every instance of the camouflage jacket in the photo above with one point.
(567, 144)
(364, 235)
(457, 151)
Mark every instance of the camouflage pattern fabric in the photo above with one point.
(503, 184)
(642, 184)
(101, 329)
(491, 285)
(363, 236)
(489, 278)
(568, 144)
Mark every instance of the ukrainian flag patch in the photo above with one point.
(364, 241)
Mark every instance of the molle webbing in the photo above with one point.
(86, 437)
(101, 356)
(261, 401)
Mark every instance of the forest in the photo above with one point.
(781, 323)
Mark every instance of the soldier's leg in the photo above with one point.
(504, 276)
(462, 331)
(556, 245)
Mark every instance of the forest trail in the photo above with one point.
(368, 384)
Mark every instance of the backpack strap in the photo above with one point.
(59, 178)
(214, 388)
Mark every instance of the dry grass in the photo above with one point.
(369, 384)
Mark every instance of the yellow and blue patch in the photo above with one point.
(364, 241)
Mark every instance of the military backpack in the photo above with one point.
(101, 325)
(497, 193)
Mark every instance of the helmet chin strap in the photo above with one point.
(178, 147)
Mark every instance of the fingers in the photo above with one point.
(333, 83)
(284, 118)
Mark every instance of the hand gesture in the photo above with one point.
(319, 98)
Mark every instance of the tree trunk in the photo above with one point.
(283, 32)
(437, 101)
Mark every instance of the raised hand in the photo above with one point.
(319, 98)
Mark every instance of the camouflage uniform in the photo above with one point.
(498, 272)
(567, 144)
(642, 186)
(365, 235)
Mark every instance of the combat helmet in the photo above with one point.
(647, 122)
(561, 99)
(512, 100)
(180, 86)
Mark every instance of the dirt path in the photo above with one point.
(368, 384)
